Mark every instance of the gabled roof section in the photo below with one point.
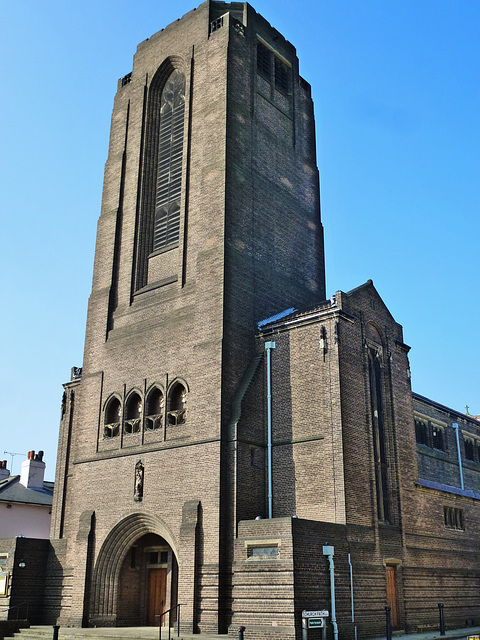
(11, 490)
(368, 287)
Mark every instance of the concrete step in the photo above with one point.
(42, 632)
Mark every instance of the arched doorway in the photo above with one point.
(135, 578)
(147, 583)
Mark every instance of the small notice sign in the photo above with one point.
(315, 614)
(316, 623)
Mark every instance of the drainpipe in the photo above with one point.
(455, 426)
(328, 551)
(268, 348)
(351, 596)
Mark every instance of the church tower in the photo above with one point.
(210, 222)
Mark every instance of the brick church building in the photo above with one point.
(231, 427)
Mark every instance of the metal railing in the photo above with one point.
(17, 608)
(169, 611)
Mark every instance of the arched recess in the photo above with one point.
(373, 333)
(106, 573)
(112, 416)
(154, 407)
(177, 395)
(133, 412)
(154, 157)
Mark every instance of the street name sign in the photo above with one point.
(315, 614)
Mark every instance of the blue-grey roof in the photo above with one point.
(448, 489)
(11, 490)
(278, 316)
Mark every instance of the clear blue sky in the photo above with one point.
(397, 98)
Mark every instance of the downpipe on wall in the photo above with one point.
(268, 348)
(329, 551)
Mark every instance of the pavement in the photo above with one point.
(450, 634)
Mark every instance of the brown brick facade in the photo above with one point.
(163, 440)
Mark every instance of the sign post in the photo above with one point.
(315, 619)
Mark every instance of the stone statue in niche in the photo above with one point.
(139, 472)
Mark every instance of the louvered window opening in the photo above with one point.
(264, 61)
(169, 167)
(281, 76)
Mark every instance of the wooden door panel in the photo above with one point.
(392, 599)
(157, 593)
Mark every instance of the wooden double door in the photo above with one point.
(157, 596)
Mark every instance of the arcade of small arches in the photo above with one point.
(150, 411)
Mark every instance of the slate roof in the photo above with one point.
(11, 490)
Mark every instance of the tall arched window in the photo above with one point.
(169, 162)
(379, 444)
(159, 222)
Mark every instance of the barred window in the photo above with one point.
(169, 162)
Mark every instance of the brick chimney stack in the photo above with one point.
(4, 472)
(33, 471)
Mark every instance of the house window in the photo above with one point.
(154, 410)
(3, 559)
(453, 518)
(177, 404)
(113, 418)
(133, 414)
